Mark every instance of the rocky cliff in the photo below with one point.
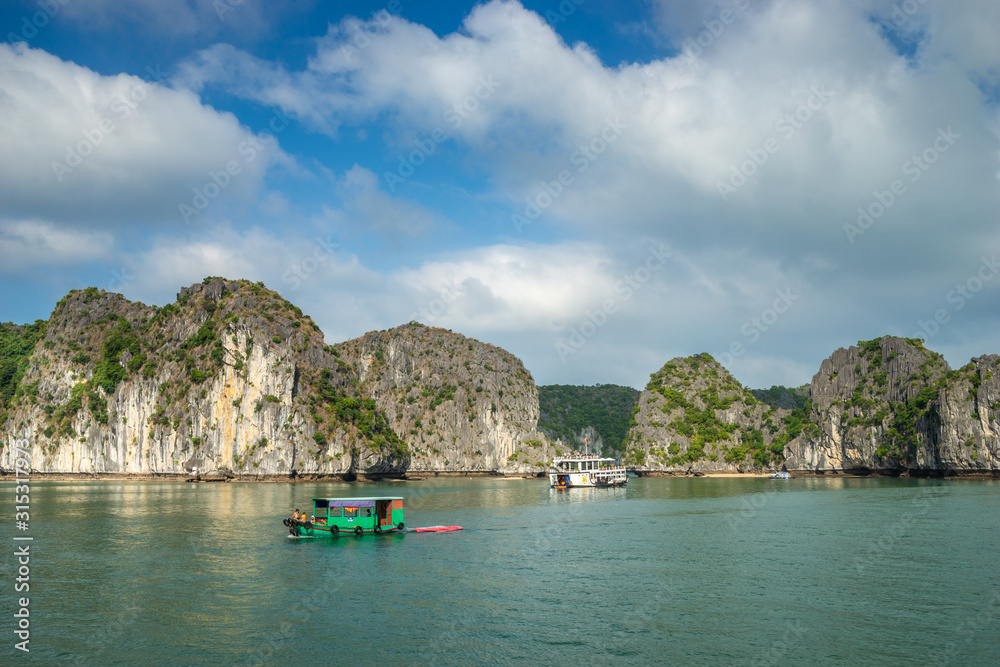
(891, 405)
(232, 377)
(460, 403)
(693, 416)
(886, 406)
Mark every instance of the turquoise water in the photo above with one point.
(665, 571)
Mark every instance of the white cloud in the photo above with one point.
(847, 112)
(30, 244)
(688, 122)
(105, 151)
(523, 297)
(367, 209)
(175, 20)
(527, 288)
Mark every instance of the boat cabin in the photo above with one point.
(583, 463)
(587, 471)
(331, 516)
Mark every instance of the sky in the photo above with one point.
(597, 186)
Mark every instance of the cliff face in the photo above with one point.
(892, 405)
(460, 403)
(234, 378)
(223, 379)
(888, 405)
(693, 416)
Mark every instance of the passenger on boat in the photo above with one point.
(296, 517)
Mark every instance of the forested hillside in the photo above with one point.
(16, 345)
(789, 398)
(566, 411)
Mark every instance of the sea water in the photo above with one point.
(665, 571)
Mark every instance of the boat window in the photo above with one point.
(350, 512)
(365, 511)
(336, 512)
(320, 509)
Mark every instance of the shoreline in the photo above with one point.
(421, 475)
(841, 474)
(413, 476)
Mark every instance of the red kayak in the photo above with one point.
(437, 529)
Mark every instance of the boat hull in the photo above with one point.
(596, 478)
(305, 530)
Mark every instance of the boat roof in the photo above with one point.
(584, 458)
(365, 498)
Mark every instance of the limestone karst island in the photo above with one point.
(234, 381)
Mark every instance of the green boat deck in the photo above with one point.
(358, 516)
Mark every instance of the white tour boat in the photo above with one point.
(587, 471)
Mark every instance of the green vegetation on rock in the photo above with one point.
(566, 410)
(696, 411)
(778, 396)
(360, 413)
(17, 343)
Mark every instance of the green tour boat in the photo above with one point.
(331, 517)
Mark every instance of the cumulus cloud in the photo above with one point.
(527, 298)
(174, 20)
(29, 244)
(106, 151)
(527, 287)
(838, 121)
(366, 208)
(833, 153)
(757, 151)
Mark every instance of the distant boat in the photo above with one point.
(780, 475)
(587, 471)
(360, 516)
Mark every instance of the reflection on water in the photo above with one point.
(680, 571)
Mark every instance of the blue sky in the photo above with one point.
(595, 186)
